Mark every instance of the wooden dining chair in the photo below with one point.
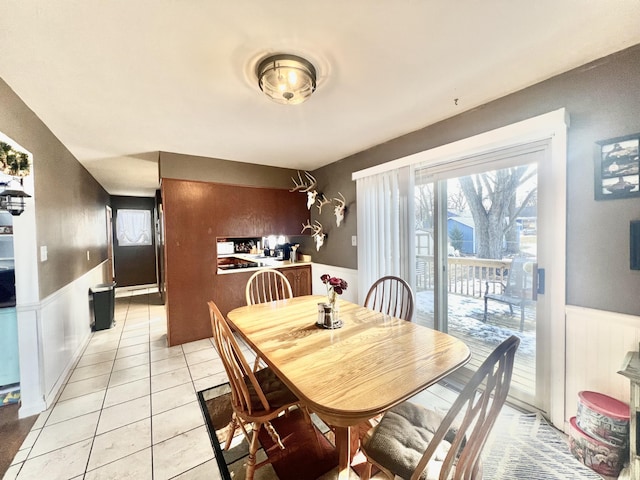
(392, 296)
(266, 286)
(414, 442)
(256, 397)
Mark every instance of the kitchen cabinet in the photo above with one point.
(299, 278)
(195, 215)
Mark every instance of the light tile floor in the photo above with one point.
(129, 409)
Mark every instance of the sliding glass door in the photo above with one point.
(478, 227)
(476, 259)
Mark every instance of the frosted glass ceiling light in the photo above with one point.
(287, 79)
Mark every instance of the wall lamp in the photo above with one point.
(12, 199)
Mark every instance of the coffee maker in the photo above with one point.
(283, 251)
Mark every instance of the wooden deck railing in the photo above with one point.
(467, 275)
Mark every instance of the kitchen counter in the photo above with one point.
(263, 262)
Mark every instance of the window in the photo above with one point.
(133, 227)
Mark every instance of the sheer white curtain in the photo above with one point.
(386, 239)
(133, 227)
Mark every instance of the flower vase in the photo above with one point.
(335, 286)
(333, 320)
(335, 310)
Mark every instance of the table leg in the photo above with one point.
(343, 444)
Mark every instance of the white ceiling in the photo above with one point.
(119, 80)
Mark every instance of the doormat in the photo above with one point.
(308, 455)
(8, 398)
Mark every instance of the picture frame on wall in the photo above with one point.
(617, 168)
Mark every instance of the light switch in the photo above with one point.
(354, 241)
(43, 253)
(88, 255)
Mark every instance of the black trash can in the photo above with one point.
(103, 301)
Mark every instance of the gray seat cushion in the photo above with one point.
(402, 437)
(276, 392)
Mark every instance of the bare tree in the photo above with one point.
(492, 201)
(424, 205)
(456, 201)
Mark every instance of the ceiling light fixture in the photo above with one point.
(287, 79)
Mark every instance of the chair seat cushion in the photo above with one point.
(401, 438)
(276, 392)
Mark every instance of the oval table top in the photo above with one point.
(353, 373)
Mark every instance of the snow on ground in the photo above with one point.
(465, 320)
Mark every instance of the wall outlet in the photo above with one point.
(43, 253)
(354, 241)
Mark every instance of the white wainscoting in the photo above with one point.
(53, 334)
(597, 342)
(349, 275)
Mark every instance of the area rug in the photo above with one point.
(525, 446)
(7, 398)
(520, 447)
(308, 453)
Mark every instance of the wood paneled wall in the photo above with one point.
(195, 214)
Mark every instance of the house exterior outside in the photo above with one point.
(464, 227)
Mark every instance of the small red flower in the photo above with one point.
(335, 284)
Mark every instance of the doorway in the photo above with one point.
(133, 237)
(387, 223)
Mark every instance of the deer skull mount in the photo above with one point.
(307, 185)
(340, 209)
(311, 199)
(317, 234)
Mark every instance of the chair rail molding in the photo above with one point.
(52, 335)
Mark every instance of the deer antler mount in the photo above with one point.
(340, 209)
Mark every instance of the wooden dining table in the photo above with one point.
(350, 374)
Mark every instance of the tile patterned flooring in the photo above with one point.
(129, 409)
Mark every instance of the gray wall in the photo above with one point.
(70, 204)
(603, 101)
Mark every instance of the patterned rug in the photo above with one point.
(520, 447)
(526, 447)
(8, 398)
(308, 455)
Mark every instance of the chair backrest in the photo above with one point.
(392, 296)
(266, 286)
(242, 380)
(519, 281)
(481, 401)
